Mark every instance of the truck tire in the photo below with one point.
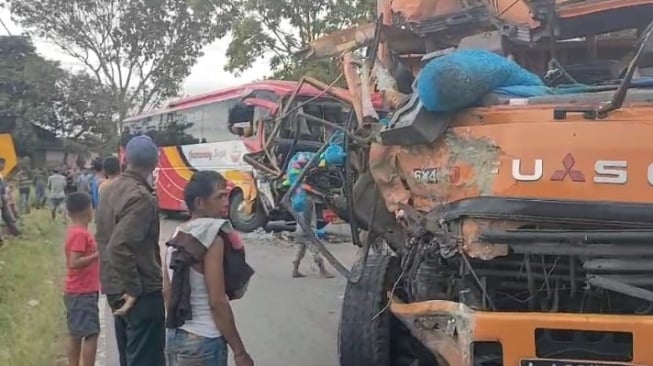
(368, 334)
(365, 323)
(242, 222)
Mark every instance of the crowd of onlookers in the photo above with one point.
(174, 312)
(27, 189)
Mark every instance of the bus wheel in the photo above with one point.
(241, 220)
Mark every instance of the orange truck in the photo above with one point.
(520, 229)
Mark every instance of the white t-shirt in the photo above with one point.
(57, 186)
(202, 323)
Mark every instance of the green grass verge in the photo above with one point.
(32, 315)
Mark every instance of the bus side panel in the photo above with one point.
(178, 163)
(171, 178)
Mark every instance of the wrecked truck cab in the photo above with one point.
(552, 224)
(520, 225)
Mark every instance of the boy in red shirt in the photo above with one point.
(82, 282)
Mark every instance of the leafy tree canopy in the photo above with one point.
(282, 27)
(140, 49)
(84, 112)
(27, 83)
(37, 92)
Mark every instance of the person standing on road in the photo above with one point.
(82, 282)
(82, 183)
(97, 179)
(304, 242)
(5, 204)
(127, 221)
(199, 337)
(111, 169)
(39, 188)
(71, 181)
(24, 190)
(12, 210)
(56, 191)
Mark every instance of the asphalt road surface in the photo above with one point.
(284, 321)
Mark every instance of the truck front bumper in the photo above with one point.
(463, 326)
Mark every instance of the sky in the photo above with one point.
(206, 75)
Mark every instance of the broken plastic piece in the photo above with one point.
(412, 124)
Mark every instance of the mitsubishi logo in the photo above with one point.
(604, 172)
(568, 163)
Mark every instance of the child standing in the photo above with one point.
(82, 282)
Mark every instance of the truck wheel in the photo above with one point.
(378, 245)
(242, 221)
(364, 331)
(369, 335)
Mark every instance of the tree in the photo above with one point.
(27, 83)
(282, 27)
(37, 93)
(141, 50)
(83, 111)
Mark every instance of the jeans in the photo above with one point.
(40, 196)
(24, 200)
(140, 334)
(185, 349)
(8, 217)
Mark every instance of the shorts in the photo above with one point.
(56, 202)
(82, 314)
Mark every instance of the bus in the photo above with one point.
(194, 134)
(7, 154)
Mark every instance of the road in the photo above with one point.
(283, 321)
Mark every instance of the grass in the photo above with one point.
(32, 315)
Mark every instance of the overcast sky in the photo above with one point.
(206, 75)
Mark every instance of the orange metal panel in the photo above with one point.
(479, 154)
(516, 331)
(519, 342)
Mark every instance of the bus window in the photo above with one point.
(178, 128)
(215, 126)
(134, 128)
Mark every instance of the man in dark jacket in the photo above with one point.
(127, 222)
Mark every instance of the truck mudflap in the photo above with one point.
(459, 327)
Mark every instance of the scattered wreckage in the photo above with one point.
(520, 225)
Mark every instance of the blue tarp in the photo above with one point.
(462, 78)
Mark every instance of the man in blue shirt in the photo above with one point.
(95, 181)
